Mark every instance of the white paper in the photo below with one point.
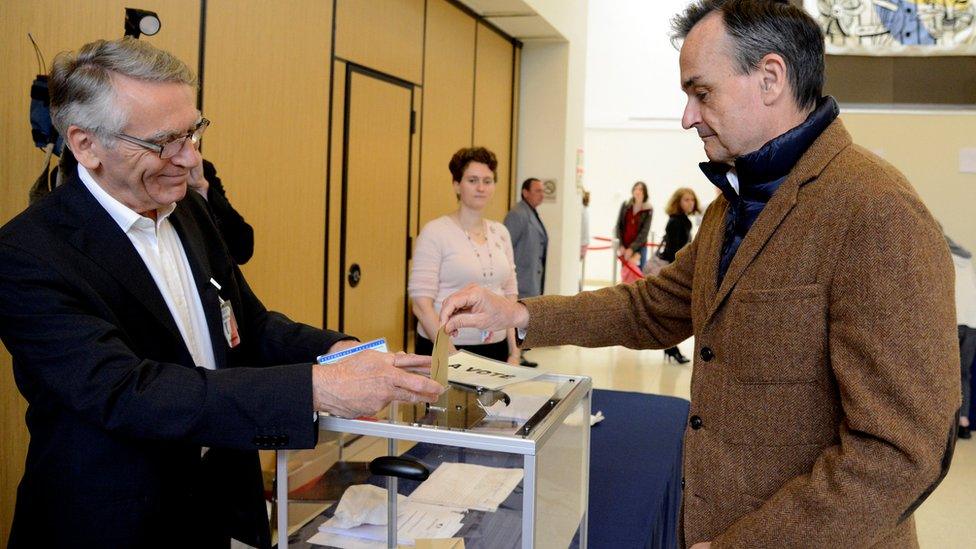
(414, 521)
(967, 160)
(478, 371)
(468, 486)
(521, 407)
(363, 504)
(596, 418)
(345, 542)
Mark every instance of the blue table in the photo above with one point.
(635, 470)
(635, 478)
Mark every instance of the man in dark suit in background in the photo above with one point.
(529, 244)
(152, 373)
(236, 232)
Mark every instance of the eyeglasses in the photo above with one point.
(172, 147)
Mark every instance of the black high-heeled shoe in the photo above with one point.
(675, 354)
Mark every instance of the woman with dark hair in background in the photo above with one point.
(633, 224)
(462, 247)
(677, 234)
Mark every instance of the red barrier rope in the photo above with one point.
(623, 264)
(605, 239)
(630, 266)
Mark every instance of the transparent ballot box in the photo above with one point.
(540, 426)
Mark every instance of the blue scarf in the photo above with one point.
(760, 173)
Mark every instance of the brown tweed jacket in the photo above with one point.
(826, 381)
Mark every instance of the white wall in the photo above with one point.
(631, 66)
(633, 111)
(551, 104)
(665, 159)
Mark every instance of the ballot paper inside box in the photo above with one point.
(477, 371)
(474, 384)
(541, 434)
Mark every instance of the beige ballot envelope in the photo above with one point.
(456, 408)
(446, 543)
(440, 356)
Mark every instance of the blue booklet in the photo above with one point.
(375, 345)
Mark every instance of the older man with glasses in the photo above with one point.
(152, 373)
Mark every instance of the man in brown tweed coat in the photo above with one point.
(820, 294)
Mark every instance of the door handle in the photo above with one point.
(354, 275)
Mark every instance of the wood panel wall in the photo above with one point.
(448, 113)
(384, 35)
(468, 83)
(56, 27)
(266, 89)
(493, 110)
(893, 80)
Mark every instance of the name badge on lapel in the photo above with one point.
(227, 319)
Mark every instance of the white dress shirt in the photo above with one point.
(161, 250)
(733, 179)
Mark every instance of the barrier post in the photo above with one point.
(613, 260)
(582, 271)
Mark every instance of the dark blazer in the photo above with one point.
(117, 412)
(644, 218)
(529, 244)
(826, 386)
(237, 233)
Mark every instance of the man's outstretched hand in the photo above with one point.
(364, 383)
(476, 307)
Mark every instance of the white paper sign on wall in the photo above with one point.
(967, 160)
(549, 188)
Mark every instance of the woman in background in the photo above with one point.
(462, 247)
(633, 223)
(677, 234)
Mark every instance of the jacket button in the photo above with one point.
(696, 422)
(706, 354)
(682, 483)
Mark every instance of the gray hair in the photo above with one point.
(760, 27)
(82, 93)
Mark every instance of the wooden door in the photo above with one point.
(376, 206)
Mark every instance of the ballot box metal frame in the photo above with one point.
(576, 398)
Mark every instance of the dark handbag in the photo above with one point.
(656, 262)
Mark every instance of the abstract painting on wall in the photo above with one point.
(897, 27)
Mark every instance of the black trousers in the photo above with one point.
(967, 352)
(497, 351)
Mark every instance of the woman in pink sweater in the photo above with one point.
(461, 248)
